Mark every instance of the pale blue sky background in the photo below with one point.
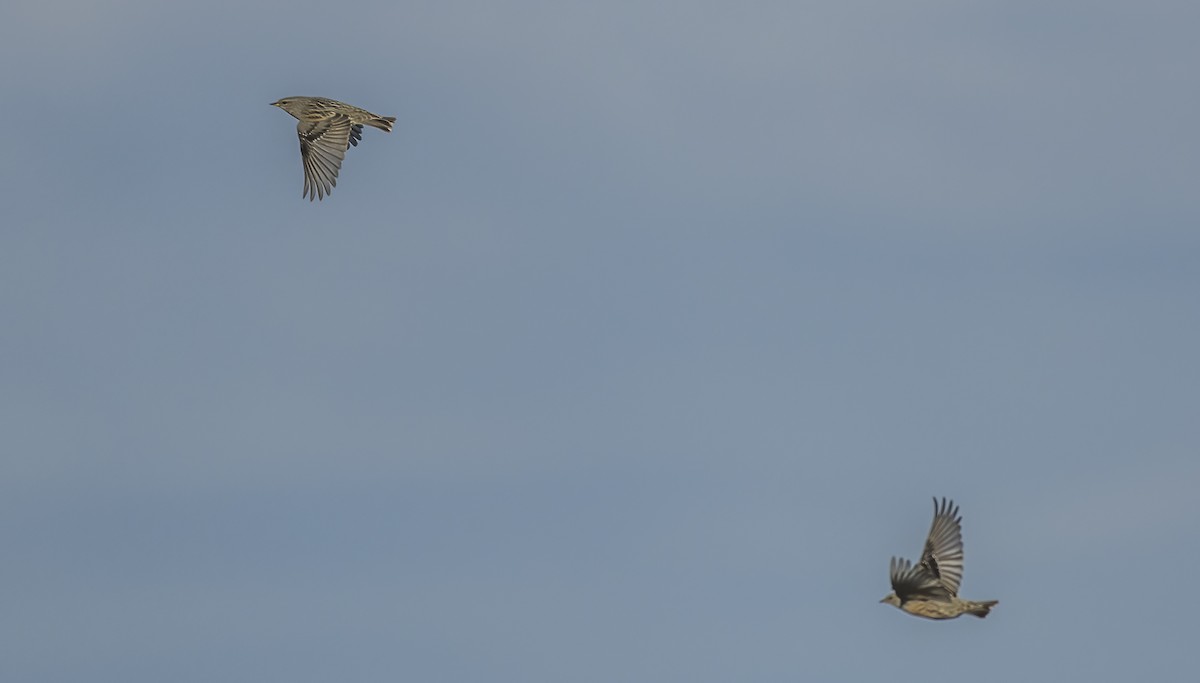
(632, 354)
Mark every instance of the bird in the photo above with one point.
(929, 588)
(327, 129)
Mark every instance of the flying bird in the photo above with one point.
(930, 588)
(327, 129)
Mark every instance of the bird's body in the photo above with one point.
(940, 609)
(930, 588)
(327, 128)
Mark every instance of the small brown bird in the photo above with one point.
(327, 129)
(930, 588)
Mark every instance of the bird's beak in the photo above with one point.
(883, 600)
(275, 104)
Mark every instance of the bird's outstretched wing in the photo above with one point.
(943, 555)
(323, 145)
(913, 581)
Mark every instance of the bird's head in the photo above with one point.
(891, 599)
(288, 104)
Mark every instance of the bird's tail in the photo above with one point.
(383, 123)
(981, 609)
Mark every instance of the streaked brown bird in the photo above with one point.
(327, 129)
(930, 588)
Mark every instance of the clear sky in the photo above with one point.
(632, 354)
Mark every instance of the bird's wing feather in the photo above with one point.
(323, 145)
(943, 555)
(914, 581)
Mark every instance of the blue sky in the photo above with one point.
(632, 354)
